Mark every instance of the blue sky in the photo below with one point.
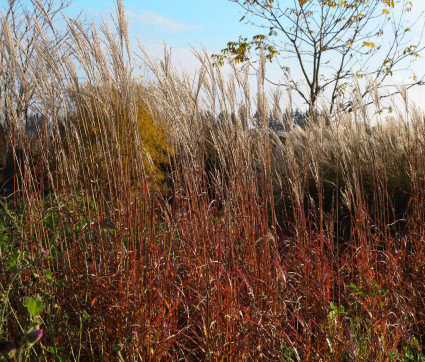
(181, 23)
(185, 23)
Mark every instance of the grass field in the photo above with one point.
(153, 221)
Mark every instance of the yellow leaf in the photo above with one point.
(369, 44)
(385, 11)
(389, 3)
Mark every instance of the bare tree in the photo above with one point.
(331, 41)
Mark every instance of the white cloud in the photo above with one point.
(160, 23)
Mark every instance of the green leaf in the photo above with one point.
(49, 275)
(34, 305)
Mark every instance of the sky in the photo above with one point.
(183, 24)
(180, 23)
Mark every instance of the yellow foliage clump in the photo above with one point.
(155, 142)
(116, 135)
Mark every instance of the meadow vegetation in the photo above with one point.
(150, 220)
